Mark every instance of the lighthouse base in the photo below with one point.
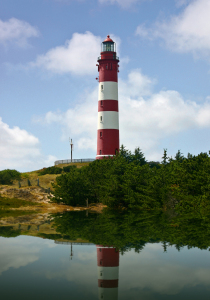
(107, 143)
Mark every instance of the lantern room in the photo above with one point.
(108, 45)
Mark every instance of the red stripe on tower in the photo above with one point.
(108, 272)
(108, 119)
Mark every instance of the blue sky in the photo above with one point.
(48, 91)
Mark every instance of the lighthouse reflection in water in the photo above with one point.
(108, 272)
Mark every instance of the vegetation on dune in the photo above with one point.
(8, 176)
(47, 175)
(51, 170)
(129, 181)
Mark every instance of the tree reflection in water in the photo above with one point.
(130, 229)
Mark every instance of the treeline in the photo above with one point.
(128, 180)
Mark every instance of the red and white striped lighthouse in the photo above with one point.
(108, 272)
(108, 119)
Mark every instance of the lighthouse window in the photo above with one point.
(100, 152)
(100, 134)
(102, 87)
(101, 273)
(101, 103)
(101, 118)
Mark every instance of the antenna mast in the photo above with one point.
(71, 144)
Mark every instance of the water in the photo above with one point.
(143, 256)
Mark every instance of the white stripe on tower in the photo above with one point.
(108, 118)
(108, 90)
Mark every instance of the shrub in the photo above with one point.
(51, 170)
(69, 168)
(7, 176)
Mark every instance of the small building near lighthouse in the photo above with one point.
(108, 114)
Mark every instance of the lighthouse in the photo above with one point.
(108, 116)
(108, 272)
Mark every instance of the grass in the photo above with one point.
(79, 165)
(44, 180)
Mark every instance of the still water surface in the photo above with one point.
(62, 261)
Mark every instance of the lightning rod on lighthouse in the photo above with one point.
(108, 119)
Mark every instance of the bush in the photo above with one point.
(51, 170)
(7, 176)
(69, 168)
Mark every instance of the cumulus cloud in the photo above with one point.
(79, 122)
(188, 31)
(16, 31)
(20, 149)
(145, 117)
(77, 56)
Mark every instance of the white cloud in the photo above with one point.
(187, 32)
(80, 122)
(145, 117)
(16, 31)
(20, 149)
(78, 56)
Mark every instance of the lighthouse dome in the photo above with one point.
(108, 45)
(108, 39)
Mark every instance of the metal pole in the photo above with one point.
(71, 148)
